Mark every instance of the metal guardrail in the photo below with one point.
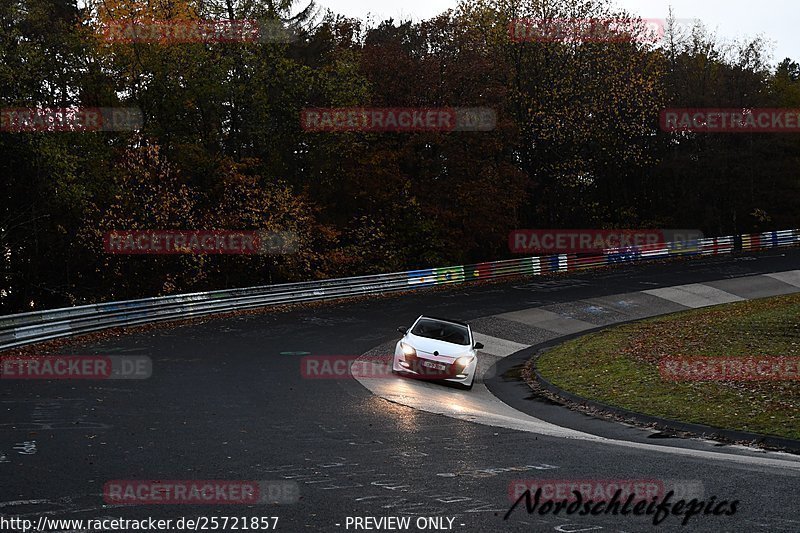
(28, 328)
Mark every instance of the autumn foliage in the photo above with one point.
(577, 142)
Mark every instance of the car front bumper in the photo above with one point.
(415, 370)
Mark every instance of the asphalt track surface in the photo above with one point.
(226, 402)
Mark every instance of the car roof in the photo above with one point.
(446, 320)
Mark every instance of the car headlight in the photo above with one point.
(464, 362)
(408, 349)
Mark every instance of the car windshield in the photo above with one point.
(441, 331)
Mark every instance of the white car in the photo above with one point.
(437, 349)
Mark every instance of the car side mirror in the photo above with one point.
(402, 330)
(479, 346)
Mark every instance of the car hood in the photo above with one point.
(423, 344)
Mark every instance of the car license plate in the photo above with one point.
(431, 364)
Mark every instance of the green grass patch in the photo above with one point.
(619, 366)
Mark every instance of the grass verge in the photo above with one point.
(619, 366)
